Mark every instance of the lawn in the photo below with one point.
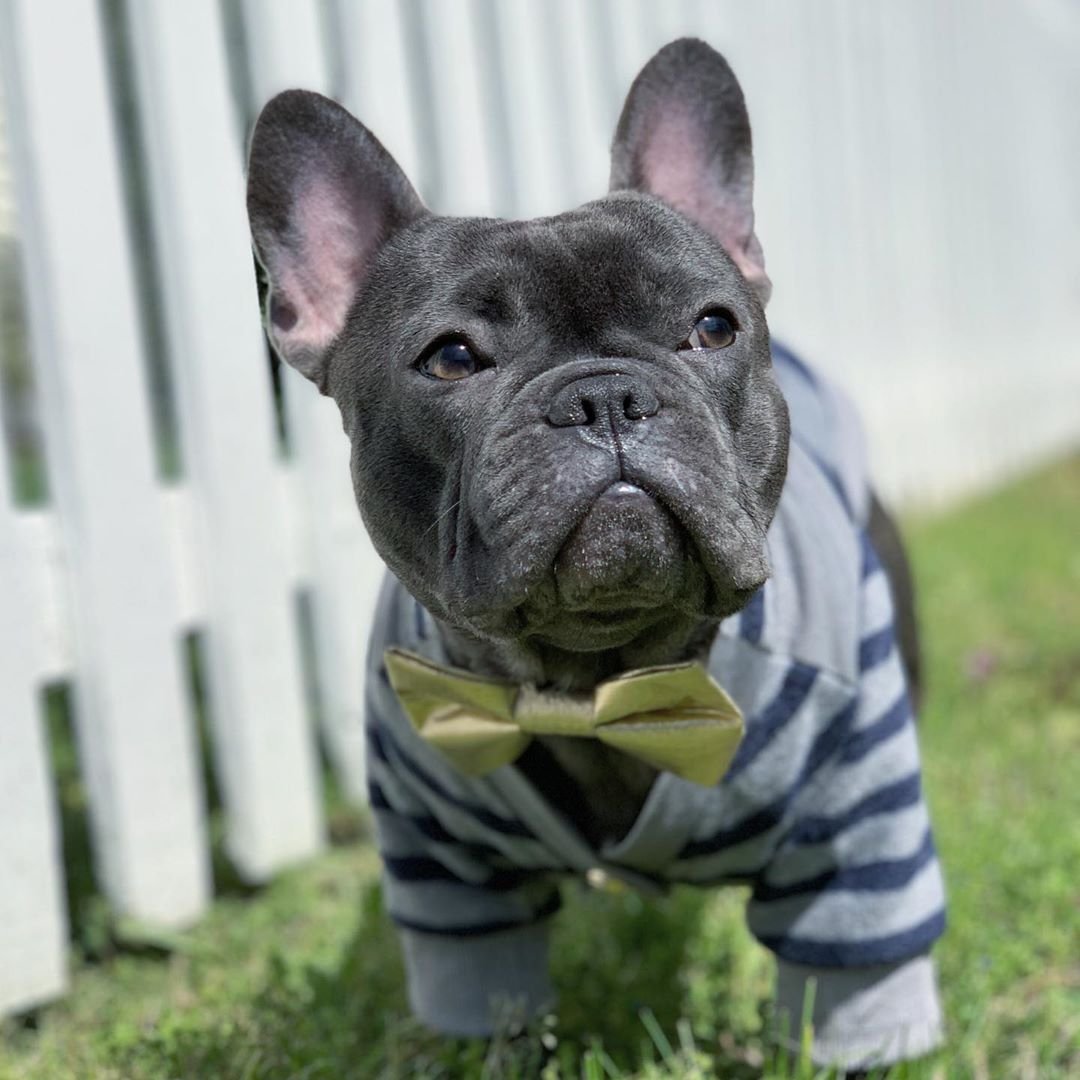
(303, 978)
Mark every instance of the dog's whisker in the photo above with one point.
(436, 522)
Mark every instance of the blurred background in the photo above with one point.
(184, 577)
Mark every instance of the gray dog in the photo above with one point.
(593, 480)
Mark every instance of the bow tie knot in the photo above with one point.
(675, 717)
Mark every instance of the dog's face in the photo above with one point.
(566, 434)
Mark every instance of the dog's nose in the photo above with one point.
(604, 398)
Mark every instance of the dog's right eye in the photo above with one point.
(449, 360)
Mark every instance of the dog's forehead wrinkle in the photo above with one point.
(592, 259)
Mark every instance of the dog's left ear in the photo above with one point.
(684, 136)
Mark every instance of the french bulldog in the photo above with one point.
(571, 445)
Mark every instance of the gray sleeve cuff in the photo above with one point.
(475, 985)
(863, 1017)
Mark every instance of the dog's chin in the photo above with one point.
(626, 567)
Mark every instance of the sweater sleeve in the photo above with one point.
(853, 896)
(854, 880)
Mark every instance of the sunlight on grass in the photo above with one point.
(304, 978)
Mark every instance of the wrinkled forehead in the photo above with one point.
(620, 257)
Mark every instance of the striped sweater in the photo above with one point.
(821, 813)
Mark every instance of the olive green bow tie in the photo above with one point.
(675, 717)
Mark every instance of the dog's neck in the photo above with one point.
(670, 640)
(599, 789)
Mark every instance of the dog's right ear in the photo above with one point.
(323, 197)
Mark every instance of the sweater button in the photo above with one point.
(599, 879)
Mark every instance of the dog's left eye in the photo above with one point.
(714, 330)
(449, 360)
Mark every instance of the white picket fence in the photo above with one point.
(918, 169)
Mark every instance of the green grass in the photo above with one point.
(304, 979)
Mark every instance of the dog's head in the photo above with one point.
(567, 440)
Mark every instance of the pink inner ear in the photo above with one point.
(676, 169)
(317, 280)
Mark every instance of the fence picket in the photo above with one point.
(540, 148)
(287, 51)
(459, 137)
(33, 926)
(266, 753)
(136, 745)
(589, 119)
(376, 50)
